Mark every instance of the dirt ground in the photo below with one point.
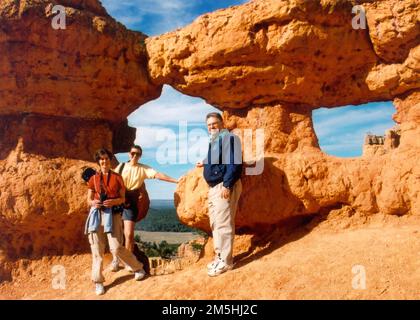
(336, 258)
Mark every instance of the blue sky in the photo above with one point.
(340, 131)
(154, 17)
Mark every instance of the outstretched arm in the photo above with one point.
(164, 177)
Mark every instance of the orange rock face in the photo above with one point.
(63, 94)
(393, 28)
(262, 43)
(55, 137)
(300, 52)
(95, 68)
(42, 196)
(43, 206)
(307, 182)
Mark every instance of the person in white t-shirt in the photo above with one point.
(134, 174)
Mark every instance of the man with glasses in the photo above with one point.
(222, 172)
(134, 174)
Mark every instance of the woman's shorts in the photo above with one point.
(129, 215)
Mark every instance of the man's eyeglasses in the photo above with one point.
(135, 154)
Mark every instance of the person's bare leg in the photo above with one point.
(129, 234)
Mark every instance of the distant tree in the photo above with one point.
(163, 249)
(163, 219)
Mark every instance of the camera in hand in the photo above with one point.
(102, 198)
(115, 209)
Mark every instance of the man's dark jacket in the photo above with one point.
(224, 160)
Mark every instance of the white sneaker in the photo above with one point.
(139, 275)
(115, 265)
(213, 264)
(99, 289)
(220, 268)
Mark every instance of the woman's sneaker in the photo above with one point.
(99, 289)
(139, 275)
(220, 268)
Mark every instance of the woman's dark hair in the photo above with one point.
(102, 152)
(136, 146)
(214, 115)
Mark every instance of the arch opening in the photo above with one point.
(355, 131)
(172, 133)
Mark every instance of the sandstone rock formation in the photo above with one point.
(63, 94)
(296, 52)
(267, 64)
(188, 253)
(42, 205)
(95, 68)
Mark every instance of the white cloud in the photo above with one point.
(173, 124)
(181, 145)
(146, 136)
(328, 122)
(171, 108)
(148, 6)
(154, 136)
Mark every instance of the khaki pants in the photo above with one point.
(97, 244)
(222, 219)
